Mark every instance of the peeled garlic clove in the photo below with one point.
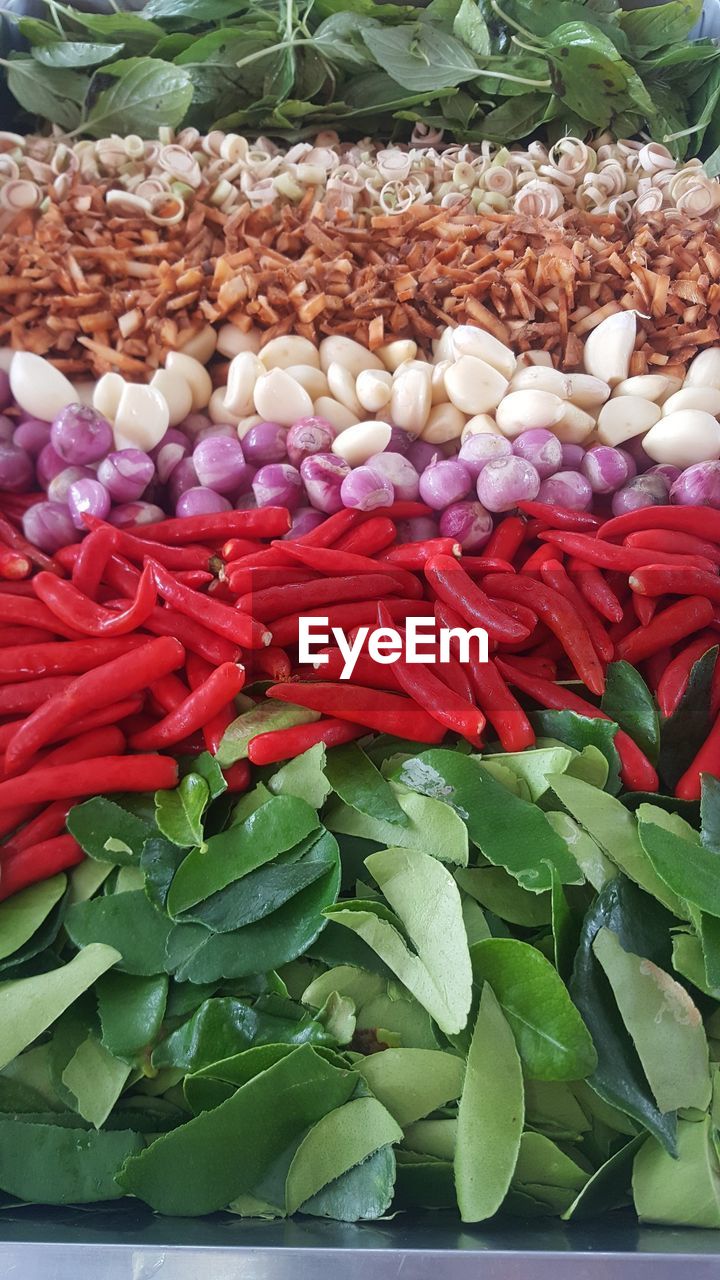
(373, 389)
(341, 386)
(443, 346)
(244, 424)
(684, 438)
(106, 396)
(281, 353)
(195, 374)
(444, 423)
(410, 398)
(474, 386)
(279, 398)
(705, 398)
(625, 417)
(142, 418)
(176, 393)
(218, 411)
(609, 346)
(704, 370)
(231, 340)
(361, 441)
(526, 410)
(527, 359)
(539, 378)
(481, 425)
(341, 350)
(588, 392)
(438, 390)
(335, 413)
(202, 345)
(396, 353)
(312, 379)
(243, 373)
(574, 426)
(39, 388)
(469, 340)
(651, 386)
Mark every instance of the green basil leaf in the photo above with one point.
(681, 1192)
(28, 1006)
(359, 784)
(686, 867)
(628, 701)
(273, 828)
(580, 732)
(684, 732)
(131, 1011)
(23, 914)
(193, 10)
(127, 920)
(222, 1028)
(413, 1082)
(552, 1039)
(145, 95)
(47, 1164)
(133, 30)
(178, 813)
(419, 58)
(660, 25)
(663, 1022)
(593, 79)
(296, 1091)
(107, 832)
(490, 1115)
(471, 27)
(438, 972)
(615, 829)
(431, 828)
(338, 1142)
(262, 718)
(55, 94)
(74, 53)
(510, 832)
(619, 1078)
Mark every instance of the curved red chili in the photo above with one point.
(452, 584)
(75, 609)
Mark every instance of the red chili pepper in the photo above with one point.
(635, 769)
(540, 556)
(16, 542)
(681, 619)
(11, 636)
(237, 776)
(106, 741)
(413, 555)
(707, 760)
(272, 557)
(554, 575)
(675, 677)
(402, 509)
(535, 666)
(31, 613)
(16, 589)
(26, 697)
(275, 602)
(455, 587)
(360, 614)
(608, 555)
(195, 578)
(686, 544)
(644, 608)
(660, 580)
(341, 564)
(217, 617)
(366, 671)
(198, 671)
(105, 774)
(67, 657)
(335, 527)
(559, 518)
(701, 522)
(655, 666)
(119, 678)
(192, 635)
(96, 719)
(198, 708)
(14, 565)
(270, 664)
(241, 580)
(75, 609)
(476, 566)
(236, 547)
(38, 862)
(560, 617)
(596, 590)
(168, 692)
(140, 550)
(367, 538)
(265, 522)
(93, 554)
(384, 712)
(48, 823)
(506, 538)
(286, 744)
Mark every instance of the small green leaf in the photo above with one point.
(490, 1115)
(23, 914)
(430, 827)
(304, 777)
(628, 701)
(420, 58)
(178, 813)
(337, 1143)
(413, 1082)
(56, 93)
(263, 718)
(131, 1011)
(689, 870)
(580, 732)
(359, 784)
(146, 94)
(471, 27)
(125, 920)
(74, 53)
(96, 1078)
(107, 832)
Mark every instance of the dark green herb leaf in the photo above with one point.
(55, 94)
(71, 53)
(366, 1191)
(48, 1164)
(360, 784)
(127, 921)
(580, 732)
(689, 869)
(131, 1011)
(263, 891)
(108, 832)
(420, 58)
(178, 813)
(628, 701)
(224, 1027)
(657, 26)
(146, 94)
(159, 861)
(470, 27)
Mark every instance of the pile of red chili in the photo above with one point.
(130, 649)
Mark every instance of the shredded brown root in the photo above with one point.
(95, 293)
